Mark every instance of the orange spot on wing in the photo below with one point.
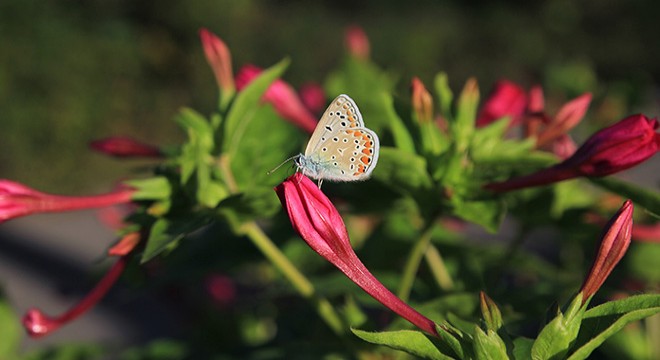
(365, 160)
(366, 151)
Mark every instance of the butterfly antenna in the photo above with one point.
(283, 162)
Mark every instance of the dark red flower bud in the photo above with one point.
(124, 147)
(506, 99)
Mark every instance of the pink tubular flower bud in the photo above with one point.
(283, 98)
(313, 96)
(357, 42)
(566, 119)
(125, 147)
(422, 101)
(219, 58)
(506, 99)
(615, 240)
(317, 221)
(38, 324)
(610, 150)
(18, 200)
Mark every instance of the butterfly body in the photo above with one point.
(341, 147)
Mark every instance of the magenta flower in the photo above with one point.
(610, 150)
(219, 58)
(125, 147)
(357, 42)
(506, 99)
(317, 221)
(313, 96)
(38, 324)
(615, 240)
(283, 98)
(19, 200)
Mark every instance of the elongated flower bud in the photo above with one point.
(614, 243)
(317, 221)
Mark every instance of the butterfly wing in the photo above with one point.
(345, 155)
(342, 113)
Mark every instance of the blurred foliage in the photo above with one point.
(73, 71)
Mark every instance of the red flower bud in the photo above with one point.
(317, 221)
(125, 147)
(19, 200)
(617, 147)
(506, 99)
(615, 240)
(357, 42)
(38, 324)
(283, 98)
(313, 96)
(219, 58)
(610, 150)
(422, 101)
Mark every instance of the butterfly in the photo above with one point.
(341, 148)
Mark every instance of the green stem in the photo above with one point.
(438, 268)
(282, 263)
(295, 277)
(412, 265)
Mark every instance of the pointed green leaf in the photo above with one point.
(445, 95)
(603, 321)
(557, 337)
(402, 138)
(522, 348)
(402, 170)
(154, 188)
(462, 127)
(166, 232)
(412, 342)
(196, 153)
(488, 346)
(246, 102)
(486, 213)
(453, 338)
(268, 141)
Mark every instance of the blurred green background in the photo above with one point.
(73, 71)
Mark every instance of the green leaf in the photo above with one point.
(154, 188)
(11, 331)
(557, 337)
(412, 342)
(462, 127)
(166, 232)
(445, 95)
(522, 348)
(367, 85)
(402, 170)
(453, 338)
(257, 203)
(246, 103)
(603, 321)
(402, 138)
(640, 196)
(488, 345)
(642, 261)
(487, 213)
(489, 146)
(196, 153)
(268, 141)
